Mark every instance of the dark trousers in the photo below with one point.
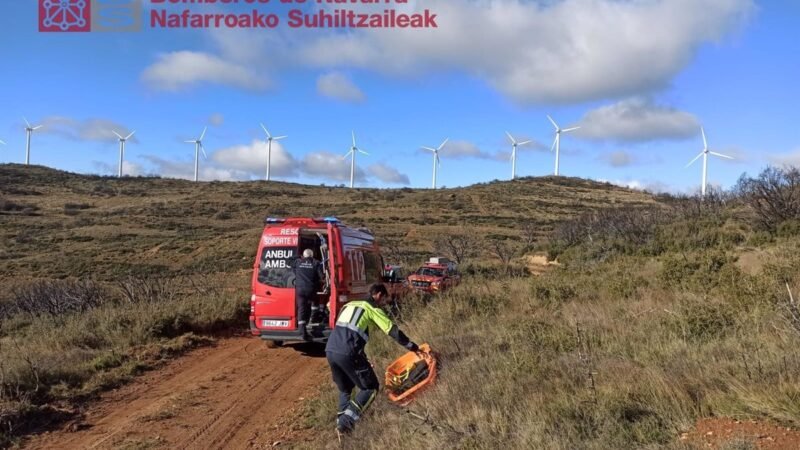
(350, 371)
(303, 301)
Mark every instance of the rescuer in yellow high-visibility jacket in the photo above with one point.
(345, 351)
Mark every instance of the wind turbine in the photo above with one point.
(557, 141)
(514, 145)
(29, 129)
(352, 153)
(705, 154)
(436, 161)
(198, 147)
(270, 138)
(122, 141)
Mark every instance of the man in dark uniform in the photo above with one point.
(345, 352)
(308, 275)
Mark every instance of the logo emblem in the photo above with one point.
(65, 15)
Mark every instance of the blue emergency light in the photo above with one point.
(274, 220)
(328, 219)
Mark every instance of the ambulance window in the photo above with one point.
(275, 266)
(372, 266)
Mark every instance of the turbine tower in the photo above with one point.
(122, 141)
(29, 129)
(514, 145)
(705, 154)
(352, 154)
(270, 138)
(198, 147)
(557, 141)
(436, 161)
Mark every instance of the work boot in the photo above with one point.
(316, 317)
(303, 332)
(344, 423)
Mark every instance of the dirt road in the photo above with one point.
(236, 394)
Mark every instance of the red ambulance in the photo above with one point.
(351, 261)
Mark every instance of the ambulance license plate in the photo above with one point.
(266, 323)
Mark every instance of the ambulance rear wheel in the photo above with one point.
(274, 344)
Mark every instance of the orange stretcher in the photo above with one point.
(410, 373)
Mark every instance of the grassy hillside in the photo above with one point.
(104, 278)
(655, 318)
(57, 225)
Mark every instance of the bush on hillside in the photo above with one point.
(623, 230)
(55, 298)
(773, 196)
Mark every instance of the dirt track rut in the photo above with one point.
(235, 394)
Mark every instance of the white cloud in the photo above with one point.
(185, 170)
(619, 158)
(785, 159)
(388, 174)
(129, 168)
(216, 119)
(637, 119)
(338, 86)
(463, 149)
(252, 159)
(566, 51)
(642, 185)
(97, 130)
(329, 166)
(184, 69)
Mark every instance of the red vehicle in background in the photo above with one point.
(351, 261)
(436, 275)
(394, 278)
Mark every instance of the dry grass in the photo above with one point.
(193, 244)
(620, 347)
(48, 363)
(146, 226)
(623, 345)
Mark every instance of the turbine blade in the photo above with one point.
(130, 135)
(443, 144)
(705, 141)
(721, 155)
(553, 147)
(524, 142)
(203, 149)
(695, 159)
(354, 138)
(347, 154)
(2, 142)
(570, 129)
(278, 138)
(26, 122)
(438, 161)
(191, 142)
(266, 130)
(511, 137)
(37, 127)
(204, 134)
(552, 121)
(117, 134)
(431, 149)
(362, 151)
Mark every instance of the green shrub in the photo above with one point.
(789, 228)
(760, 238)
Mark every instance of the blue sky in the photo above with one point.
(639, 77)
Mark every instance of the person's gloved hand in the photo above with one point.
(413, 347)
